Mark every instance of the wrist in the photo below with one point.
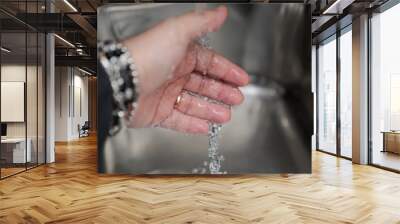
(152, 69)
(134, 51)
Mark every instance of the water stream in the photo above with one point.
(215, 159)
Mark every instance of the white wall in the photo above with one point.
(12, 101)
(70, 83)
(80, 88)
(17, 73)
(62, 81)
(11, 73)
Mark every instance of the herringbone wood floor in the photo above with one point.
(70, 191)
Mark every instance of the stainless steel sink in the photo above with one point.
(269, 133)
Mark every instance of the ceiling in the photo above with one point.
(76, 22)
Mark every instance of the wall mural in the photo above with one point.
(267, 126)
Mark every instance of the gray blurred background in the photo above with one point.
(269, 133)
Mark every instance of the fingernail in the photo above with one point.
(236, 97)
(240, 76)
(220, 114)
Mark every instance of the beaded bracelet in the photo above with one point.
(123, 77)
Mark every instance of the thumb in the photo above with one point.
(198, 23)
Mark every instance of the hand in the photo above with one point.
(170, 64)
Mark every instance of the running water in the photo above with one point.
(215, 159)
(213, 154)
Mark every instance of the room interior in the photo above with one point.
(22, 101)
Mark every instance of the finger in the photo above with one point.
(181, 122)
(200, 108)
(214, 65)
(214, 89)
(197, 23)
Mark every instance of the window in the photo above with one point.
(327, 96)
(346, 93)
(385, 88)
